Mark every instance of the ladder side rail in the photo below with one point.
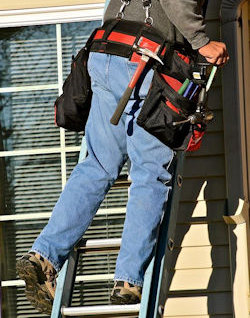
(65, 284)
(165, 244)
(166, 261)
(151, 277)
(146, 289)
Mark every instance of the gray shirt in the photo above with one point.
(176, 19)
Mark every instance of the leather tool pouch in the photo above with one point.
(164, 105)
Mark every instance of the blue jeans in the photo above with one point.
(108, 149)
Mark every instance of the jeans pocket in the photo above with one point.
(131, 66)
(143, 84)
(90, 65)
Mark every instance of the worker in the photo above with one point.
(109, 147)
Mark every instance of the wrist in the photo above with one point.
(199, 41)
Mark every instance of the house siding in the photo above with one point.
(200, 283)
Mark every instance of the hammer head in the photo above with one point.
(147, 52)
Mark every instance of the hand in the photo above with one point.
(215, 53)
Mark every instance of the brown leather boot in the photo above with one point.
(40, 280)
(125, 293)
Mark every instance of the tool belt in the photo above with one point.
(119, 37)
(163, 105)
(114, 37)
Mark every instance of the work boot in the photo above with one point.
(125, 293)
(40, 279)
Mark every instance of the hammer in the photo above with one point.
(146, 55)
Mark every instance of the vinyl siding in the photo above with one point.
(200, 283)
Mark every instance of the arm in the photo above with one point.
(185, 15)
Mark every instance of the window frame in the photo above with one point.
(51, 15)
(55, 16)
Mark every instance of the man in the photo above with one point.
(108, 148)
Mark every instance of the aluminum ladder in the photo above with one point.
(155, 289)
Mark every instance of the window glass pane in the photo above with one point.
(116, 198)
(31, 184)
(74, 37)
(19, 237)
(97, 263)
(18, 307)
(71, 161)
(73, 138)
(92, 293)
(27, 120)
(28, 56)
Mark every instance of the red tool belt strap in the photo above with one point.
(119, 36)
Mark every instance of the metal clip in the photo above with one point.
(149, 19)
(120, 14)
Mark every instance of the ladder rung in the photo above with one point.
(101, 310)
(106, 244)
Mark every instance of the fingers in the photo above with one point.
(224, 57)
(225, 60)
(220, 61)
(211, 60)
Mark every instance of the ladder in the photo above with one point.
(155, 288)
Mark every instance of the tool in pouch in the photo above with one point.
(175, 109)
(201, 115)
(147, 51)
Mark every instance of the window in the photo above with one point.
(37, 158)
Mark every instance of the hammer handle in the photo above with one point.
(121, 106)
(125, 97)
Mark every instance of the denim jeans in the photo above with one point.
(109, 147)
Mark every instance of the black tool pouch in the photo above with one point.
(73, 106)
(163, 105)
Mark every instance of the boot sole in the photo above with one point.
(123, 300)
(36, 292)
